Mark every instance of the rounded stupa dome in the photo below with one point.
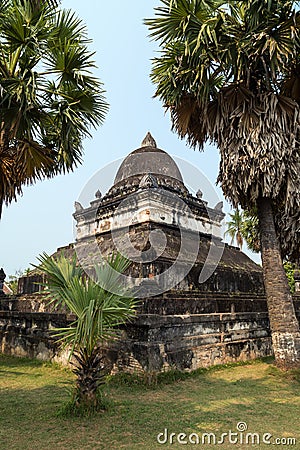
(149, 160)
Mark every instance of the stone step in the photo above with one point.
(206, 294)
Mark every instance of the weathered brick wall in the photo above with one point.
(180, 330)
(28, 333)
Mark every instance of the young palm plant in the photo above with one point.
(228, 72)
(98, 312)
(49, 99)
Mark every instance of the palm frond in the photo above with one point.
(49, 98)
(228, 72)
(96, 306)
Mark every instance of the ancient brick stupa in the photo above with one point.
(149, 215)
(202, 301)
(194, 311)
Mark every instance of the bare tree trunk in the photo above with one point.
(283, 321)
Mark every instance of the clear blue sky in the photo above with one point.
(41, 220)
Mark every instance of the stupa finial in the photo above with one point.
(148, 141)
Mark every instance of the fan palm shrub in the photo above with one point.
(98, 312)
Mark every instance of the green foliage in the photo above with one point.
(49, 98)
(289, 270)
(244, 225)
(13, 279)
(97, 308)
(100, 306)
(234, 227)
(250, 230)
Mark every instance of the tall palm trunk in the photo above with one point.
(283, 321)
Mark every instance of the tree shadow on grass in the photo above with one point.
(4, 373)
(215, 400)
(15, 361)
(212, 401)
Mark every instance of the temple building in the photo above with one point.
(172, 236)
(202, 301)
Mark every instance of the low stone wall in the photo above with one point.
(187, 342)
(187, 302)
(36, 302)
(178, 330)
(28, 334)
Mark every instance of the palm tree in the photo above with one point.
(234, 227)
(250, 230)
(48, 97)
(98, 312)
(229, 72)
(244, 226)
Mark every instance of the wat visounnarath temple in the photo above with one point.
(201, 301)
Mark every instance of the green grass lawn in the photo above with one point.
(212, 401)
